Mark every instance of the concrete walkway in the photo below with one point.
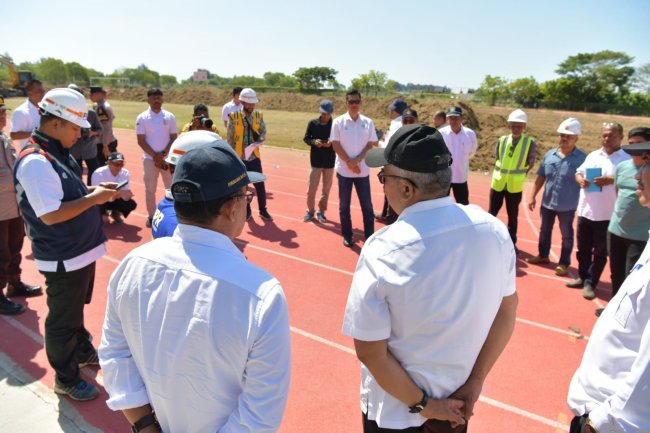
(29, 406)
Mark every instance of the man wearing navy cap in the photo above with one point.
(462, 144)
(413, 297)
(321, 157)
(211, 350)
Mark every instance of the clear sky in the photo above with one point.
(453, 43)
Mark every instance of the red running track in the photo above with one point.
(526, 389)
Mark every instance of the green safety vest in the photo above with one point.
(512, 165)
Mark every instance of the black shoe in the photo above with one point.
(347, 242)
(575, 284)
(148, 223)
(18, 288)
(9, 308)
(599, 311)
(265, 215)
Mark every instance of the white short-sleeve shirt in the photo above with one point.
(353, 135)
(229, 107)
(103, 174)
(431, 284)
(462, 147)
(45, 194)
(395, 124)
(156, 127)
(599, 205)
(24, 118)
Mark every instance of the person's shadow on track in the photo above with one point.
(123, 232)
(26, 369)
(269, 231)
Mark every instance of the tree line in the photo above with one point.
(602, 82)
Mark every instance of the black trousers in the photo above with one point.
(461, 192)
(12, 234)
(592, 249)
(101, 160)
(65, 334)
(91, 165)
(623, 254)
(124, 206)
(512, 200)
(260, 189)
(578, 424)
(431, 426)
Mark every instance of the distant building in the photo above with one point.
(201, 75)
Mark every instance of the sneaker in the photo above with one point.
(265, 215)
(117, 217)
(588, 292)
(89, 358)
(9, 308)
(347, 242)
(561, 270)
(148, 223)
(321, 216)
(308, 216)
(80, 391)
(537, 260)
(575, 284)
(18, 288)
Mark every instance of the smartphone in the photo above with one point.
(121, 185)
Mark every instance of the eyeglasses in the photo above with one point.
(354, 102)
(382, 178)
(249, 197)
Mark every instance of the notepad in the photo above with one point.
(590, 174)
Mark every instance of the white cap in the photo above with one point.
(248, 96)
(189, 141)
(518, 116)
(67, 104)
(570, 126)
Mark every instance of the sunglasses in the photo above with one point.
(382, 178)
(354, 102)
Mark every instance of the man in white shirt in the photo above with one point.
(156, 131)
(231, 106)
(26, 117)
(610, 391)
(353, 134)
(413, 297)
(193, 331)
(462, 144)
(115, 172)
(63, 222)
(595, 208)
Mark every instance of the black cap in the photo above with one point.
(213, 172)
(637, 149)
(115, 156)
(398, 105)
(409, 113)
(455, 111)
(96, 89)
(417, 148)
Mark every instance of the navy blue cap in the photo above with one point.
(637, 149)
(455, 111)
(326, 106)
(210, 173)
(398, 105)
(410, 113)
(418, 148)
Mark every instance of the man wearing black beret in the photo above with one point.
(414, 297)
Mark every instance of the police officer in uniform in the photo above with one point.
(65, 227)
(108, 143)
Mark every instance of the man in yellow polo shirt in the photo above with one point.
(515, 156)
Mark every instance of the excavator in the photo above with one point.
(17, 79)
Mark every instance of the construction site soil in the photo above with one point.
(488, 122)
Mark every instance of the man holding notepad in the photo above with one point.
(595, 206)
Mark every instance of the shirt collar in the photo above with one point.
(210, 238)
(49, 144)
(427, 205)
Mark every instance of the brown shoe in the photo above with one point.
(561, 270)
(538, 260)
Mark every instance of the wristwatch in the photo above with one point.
(144, 422)
(418, 407)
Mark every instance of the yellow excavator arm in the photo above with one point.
(13, 73)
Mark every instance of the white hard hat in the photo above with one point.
(570, 126)
(518, 116)
(249, 96)
(67, 104)
(192, 140)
